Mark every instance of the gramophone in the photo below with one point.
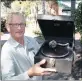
(57, 48)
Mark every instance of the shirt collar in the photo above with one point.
(14, 43)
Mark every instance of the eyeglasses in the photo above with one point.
(17, 24)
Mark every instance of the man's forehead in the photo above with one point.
(18, 17)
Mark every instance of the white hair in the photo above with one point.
(10, 16)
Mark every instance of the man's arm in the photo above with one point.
(8, 72)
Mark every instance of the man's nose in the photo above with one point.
(19, 27)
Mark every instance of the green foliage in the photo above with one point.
(27, 8)
(38, 33)
(78, 18)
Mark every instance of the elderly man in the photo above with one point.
(17, 55)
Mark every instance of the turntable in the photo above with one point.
(58, 46)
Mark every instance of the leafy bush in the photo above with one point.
(78, 19)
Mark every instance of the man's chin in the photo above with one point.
(19, 36)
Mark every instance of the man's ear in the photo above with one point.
(7, 27)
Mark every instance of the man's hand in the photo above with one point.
(37, 70)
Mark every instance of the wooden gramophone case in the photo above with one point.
(61, 29)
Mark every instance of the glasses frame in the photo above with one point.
(16, 25)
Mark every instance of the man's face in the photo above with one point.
(17, 26)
